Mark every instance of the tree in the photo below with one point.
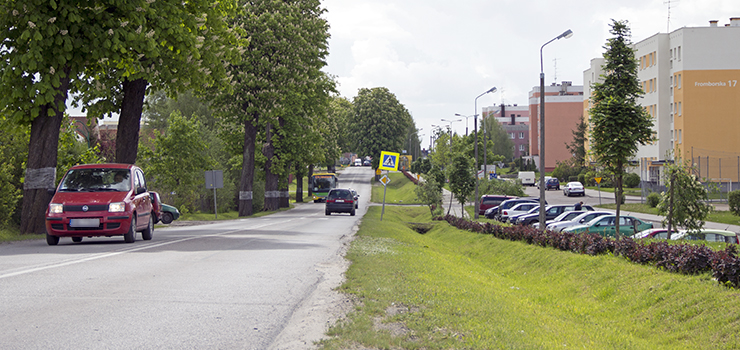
(429, 192)
(499, 142)
(619, 123)
(47, 45)
(462, 180)
(380, 123)
(683, 203)
(577, 147)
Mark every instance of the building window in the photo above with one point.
(679, 53)
(679, 109)
(521, 148)
(680, 136)
(521, 135)
(511, 135)
(679, 81)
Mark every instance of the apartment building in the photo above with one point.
(514, 120)
(563, 112)
(689, 78)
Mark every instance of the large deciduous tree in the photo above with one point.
(46, 46)
(619, 123)
(683, 203)
(278, 87)
(379, 123)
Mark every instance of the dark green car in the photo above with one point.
(163, 212)
(605, 226)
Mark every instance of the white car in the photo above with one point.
(566, 216)
(574, 188)
(518, 209)
(581, 219)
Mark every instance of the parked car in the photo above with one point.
(163, 212)
(527, 178)
(605, 226)
(710, 235)
(100, 200)
(552, 184)
(551, 212)
(358, 162)
(489, 201)
(659, 232)
(357, 198)
(546, 179)
(340, 200)
(495, 211)
(366, 163)
(519, 209)
(574, 188)
(581, 219)
(564, 217)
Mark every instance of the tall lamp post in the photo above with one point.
(466, 121)
(475, 115)
(567, 34)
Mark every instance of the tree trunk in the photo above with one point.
(299, 188)
(42, 162)
(670, 205)
(129, 122)
(272, 195)
(246, 184)
(310, 185)
(618, 192)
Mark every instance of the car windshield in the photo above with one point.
(98, 179)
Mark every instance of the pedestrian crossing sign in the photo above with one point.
(389, 161)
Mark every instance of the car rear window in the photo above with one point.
(340, 194)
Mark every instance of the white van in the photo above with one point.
(358, 162)
(527, 178)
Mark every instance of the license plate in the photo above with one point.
(84, 222)
(340, 200)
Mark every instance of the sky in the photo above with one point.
(437, 56)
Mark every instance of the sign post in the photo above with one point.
(214, 180)
(598, 185)
(385, 180)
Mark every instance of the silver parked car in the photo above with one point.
(574, 188)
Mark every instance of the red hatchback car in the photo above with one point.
(100, 200)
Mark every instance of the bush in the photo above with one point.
(631, 180)
(734, 201)
(653, 199)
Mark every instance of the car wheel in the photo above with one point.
(130, 236)
(327, 212)
(352, 213)
(149, 230)
(52, 240)
(77, 239)
(167, 218)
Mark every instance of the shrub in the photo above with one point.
(631, 180)
(653, 199)
(734, 201)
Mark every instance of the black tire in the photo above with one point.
(77, 239)
(52, 240)
(149, 230)
(326, 212)
(167, 218)
(352, 213)
(130, 236)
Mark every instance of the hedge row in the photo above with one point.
(411, 177)
(681, 258)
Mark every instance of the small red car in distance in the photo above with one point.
(100, 200)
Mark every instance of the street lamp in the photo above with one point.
(466, 121)
(567, 34)
(493, 89)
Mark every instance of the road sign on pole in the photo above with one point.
(385, 180)
(214, 180)
(389, 161)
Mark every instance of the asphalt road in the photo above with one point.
(228, 285)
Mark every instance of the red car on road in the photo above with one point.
(100, 200)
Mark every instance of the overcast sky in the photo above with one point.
(437, 56)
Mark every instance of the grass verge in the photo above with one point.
(453, 289)
(400, 190)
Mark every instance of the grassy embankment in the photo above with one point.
(453, 289)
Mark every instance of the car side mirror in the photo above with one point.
(140, 190)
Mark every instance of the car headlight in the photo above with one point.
(117, 207)
(56, 208)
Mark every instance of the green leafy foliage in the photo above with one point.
(380, 122)
(619, 123)
(462, 179)
(683, 201)
(631, 180)
(653, 199)
(734, 201)
(503, 187)
(429, 192)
